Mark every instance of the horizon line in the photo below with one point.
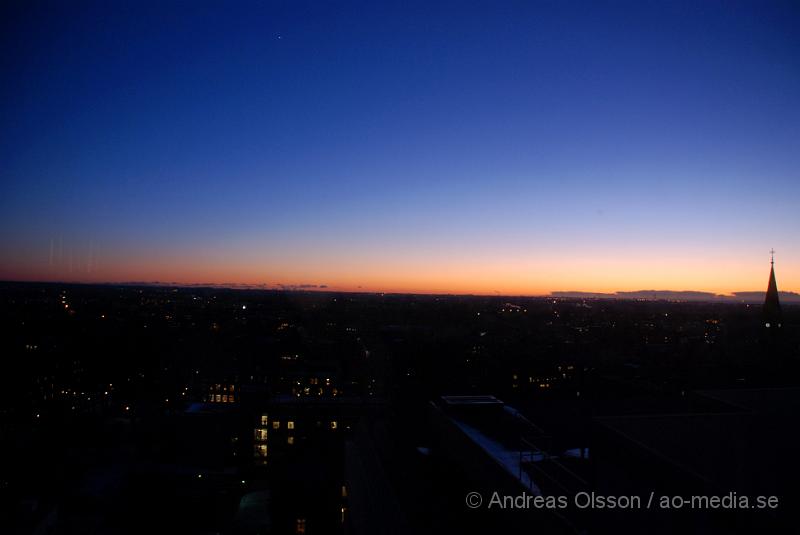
(740, 296)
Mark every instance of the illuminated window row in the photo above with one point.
(221, 398)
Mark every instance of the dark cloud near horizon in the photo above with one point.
(671, 295)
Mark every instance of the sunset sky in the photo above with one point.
(464, 147)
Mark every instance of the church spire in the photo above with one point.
(772, 305)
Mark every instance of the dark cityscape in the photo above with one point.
(250, 411)
(297, 267)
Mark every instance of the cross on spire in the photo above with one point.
(772, 256)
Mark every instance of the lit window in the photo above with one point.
(276, 424)
(290, 440)
(768, 325)
(300, 526)
(218, 398)
(224, 398)
(290, 424)
(334, 424)
(344, 491)
(264, 419)
(260, 450)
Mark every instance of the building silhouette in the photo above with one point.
(772, 306)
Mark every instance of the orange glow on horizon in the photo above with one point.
(518, 276)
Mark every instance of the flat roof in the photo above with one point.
(471, 400)
(758, 399)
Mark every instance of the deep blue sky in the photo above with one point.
(297, 142)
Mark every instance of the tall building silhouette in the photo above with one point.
(772, 305)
